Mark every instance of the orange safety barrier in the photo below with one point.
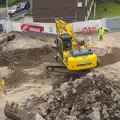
(84, 30)
(88, 30)
(93, 29)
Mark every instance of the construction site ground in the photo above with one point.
(24, 72)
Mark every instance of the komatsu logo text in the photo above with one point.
(84, 63)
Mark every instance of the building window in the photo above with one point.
(79, 3)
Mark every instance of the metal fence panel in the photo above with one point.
(113, 24)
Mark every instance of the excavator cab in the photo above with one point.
(64, 44)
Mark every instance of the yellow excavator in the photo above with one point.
(72, 56)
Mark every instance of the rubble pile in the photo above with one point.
(91, 97)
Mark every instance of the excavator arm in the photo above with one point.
(64, 28)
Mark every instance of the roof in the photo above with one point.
(65, 37)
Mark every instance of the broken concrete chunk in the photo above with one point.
(96, 106)
(43, 108)
(117, 114)
(96, 92)
(82, 103)
(64, 89)
(104, 112)
(75, 112)
(39, 117)
(71, 118)
(91, 97)
(94, 115)
(115, 96)
(77, 82)
(61, 115)
(65, 110)
(50, 99)
(45, 96)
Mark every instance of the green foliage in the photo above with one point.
(2, 2)
(117, 1)
(112, 10)
(11, 2)
(105, 1)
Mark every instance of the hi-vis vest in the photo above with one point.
(101, 31)
(2, 83)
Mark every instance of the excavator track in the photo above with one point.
(60, 69)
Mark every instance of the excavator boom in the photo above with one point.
(63, 27)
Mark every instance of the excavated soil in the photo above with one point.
(17, 60)
(110, 58)
(33, 56)
(24, 57)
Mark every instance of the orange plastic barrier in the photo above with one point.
(87, 30)
(84, 30)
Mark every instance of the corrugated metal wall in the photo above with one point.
(113, 24)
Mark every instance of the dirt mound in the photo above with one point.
(108, 55)
(91, 97)
(110, 58)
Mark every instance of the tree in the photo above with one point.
(117, 1)
(2, 2)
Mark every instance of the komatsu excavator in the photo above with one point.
(72, 56)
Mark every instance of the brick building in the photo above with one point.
(68, 10)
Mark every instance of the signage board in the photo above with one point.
(31, 28)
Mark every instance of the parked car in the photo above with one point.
(14, 9)
(24, 6)
(18, 8)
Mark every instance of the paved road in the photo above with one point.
(2, 116)
(3, 13)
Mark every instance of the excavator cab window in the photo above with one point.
(67, 45)
(66, 42)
